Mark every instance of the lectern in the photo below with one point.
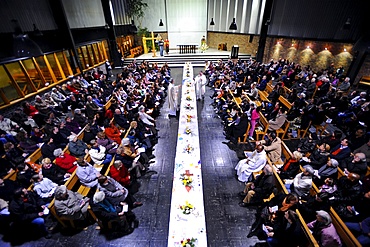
(234, 52)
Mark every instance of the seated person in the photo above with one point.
(120, 221)
(6, 167)
(98, 154)
(24, 175)
(120, 173)
(14, 154)
(287, 226)
(278, 121)
(112, 132)
(355, 164)
(364, 149)
(86, 173)
(25, 143)
(53, 172)
(323, 230)
(272, 146)
(314, 203)
(329, 170)
(291, 167)
(69, 204)
(27, 208)
(77, 147)
(110, 145)
(44, 187)
(65, 161)
(302, 182)
(261, 188)
(116, 193)
(349, 190)
(308, 144)
(47, 149)
(318, 157)
(341, 151)
(361, 231)
(254, 162)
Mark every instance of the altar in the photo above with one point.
(187, 48)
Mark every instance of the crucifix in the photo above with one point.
(187, 173)
(153, 44)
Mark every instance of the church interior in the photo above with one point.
(187, 96)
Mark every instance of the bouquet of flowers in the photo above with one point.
(188, 107)
(187, 208)
(188, 149)
(187, 91)
(189, 242)
(188, 98)
(187, 130)
(188, 118)
(186, 179)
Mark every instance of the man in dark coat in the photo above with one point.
(260, 189)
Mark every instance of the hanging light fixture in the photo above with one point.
(212, 23)
(23, 45)
(233, 25)
(160, 23)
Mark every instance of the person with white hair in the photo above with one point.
(116, 219)
(324, 231)
(302, 182)
(69, 204)
(77, 147)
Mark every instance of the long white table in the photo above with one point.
(187, 219)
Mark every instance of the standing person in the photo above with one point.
(167, 46)
(200, 85)
(160, 43)
(255, 116)
(172, 98)
(108, 68)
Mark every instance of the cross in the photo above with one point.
(187, 173)
(153, 44)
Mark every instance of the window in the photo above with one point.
(54, 67)
(20, 78)
(35, 77)
(7, 90)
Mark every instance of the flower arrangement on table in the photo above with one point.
(188, 242)
(187, 91)
(188, 107)
(187, 130)
(188, 98)
(187, 208)
(188, 118)
(188, 149)
(188, 84)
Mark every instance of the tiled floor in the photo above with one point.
(227, 223)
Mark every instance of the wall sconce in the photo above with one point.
(160, 23)
(106, 26)
(326, 49)
(212, 23)
(233, 25)
(308, 47)
(344, 49)
(278, 43)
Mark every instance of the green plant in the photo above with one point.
(136, 9)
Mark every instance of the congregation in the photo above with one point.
(77, 154)
(280, 103)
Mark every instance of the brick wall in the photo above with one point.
(242, 40)
(293, 49)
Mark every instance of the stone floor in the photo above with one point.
(227, 223)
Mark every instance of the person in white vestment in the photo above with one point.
(172, 98)
(200, 85)
(254, 162)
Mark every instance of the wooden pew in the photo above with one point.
(281, 132)
(345, 234)
(281, 187)
(264, 124)
(263, 96)
(285, 102)
(11, 175)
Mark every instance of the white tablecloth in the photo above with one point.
(186, 226)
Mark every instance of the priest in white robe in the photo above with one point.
(172, 99)
(200, 85)
(254, 162)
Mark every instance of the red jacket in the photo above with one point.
(122, 175)
(66, 163)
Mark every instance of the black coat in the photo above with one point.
(54, 173)
(26, 209)
(263, 186)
